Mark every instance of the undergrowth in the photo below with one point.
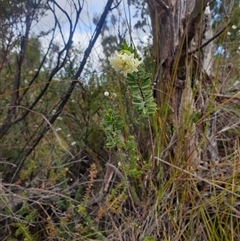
(130, 172)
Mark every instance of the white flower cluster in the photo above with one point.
(73, 143)
(106, 93)
(125, 62)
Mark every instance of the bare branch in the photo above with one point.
(73, 84)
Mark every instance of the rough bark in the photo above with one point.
(180, 28)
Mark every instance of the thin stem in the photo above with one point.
(149, 125)
(152, 144)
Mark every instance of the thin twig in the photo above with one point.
(209, 40)
(231, 97)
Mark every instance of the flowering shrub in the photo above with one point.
(137, 79)
(139, 83)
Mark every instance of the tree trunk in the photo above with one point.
(183, 73)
